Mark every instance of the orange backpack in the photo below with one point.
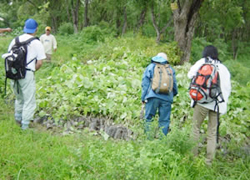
(205, 86)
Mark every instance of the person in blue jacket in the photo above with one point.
(154, 101)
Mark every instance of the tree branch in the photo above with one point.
(33, 4)
(167, 25)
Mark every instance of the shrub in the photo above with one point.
(239, 72)
(198, 45)
(66, 28)
(93, 34)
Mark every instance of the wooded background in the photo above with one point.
(220, 22)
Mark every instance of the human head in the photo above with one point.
(47, 30)
(30, 26)
(210, 51)
(160, 58)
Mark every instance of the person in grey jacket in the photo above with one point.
(154, 101)
(202, 110)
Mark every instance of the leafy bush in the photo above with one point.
(239, 72)
(93, 34)
(149, 31)
(97, 84)
(17, 31)
(198, 45)
(66, 29)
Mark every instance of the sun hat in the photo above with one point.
(160, 57)
(48, 28)
(163, 55)
(30, 26)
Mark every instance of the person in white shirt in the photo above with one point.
(25, 89)
(202, 110)
(49, 43)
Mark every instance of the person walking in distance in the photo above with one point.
(213, 108)
(49, 42)
(25, 89)
(159, 86)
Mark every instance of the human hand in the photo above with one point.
(8, 29)
(2, 30)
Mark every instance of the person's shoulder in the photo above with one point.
(24, 37)
(172, 68)
(222, 66)
(150, 66)
(43, 35)
(36, 41)
(200, 62)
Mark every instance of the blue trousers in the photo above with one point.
(164, 111)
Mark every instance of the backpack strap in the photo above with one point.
(5, 85)
(25, 43)
(17, 41)
(160, 71)
(218, 123)
(30, 62)
(29, 40)
(206, 60)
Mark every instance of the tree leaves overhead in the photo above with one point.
(227, 20)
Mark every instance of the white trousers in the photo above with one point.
(25, 102)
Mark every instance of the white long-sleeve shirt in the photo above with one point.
(49, 43)
(225, 84)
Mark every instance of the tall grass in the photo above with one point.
(36, 154)
(31, 154)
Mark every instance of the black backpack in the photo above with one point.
(15, 60)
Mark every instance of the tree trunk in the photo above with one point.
(68, 10)
(125, 21)
(54, 26)
(235, 43)
(75, 9)
(157, 28)
(142, 18)
(184, 24)
(158, 35)
(86, 19)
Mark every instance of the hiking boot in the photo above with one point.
(208, 162)
(18, 123)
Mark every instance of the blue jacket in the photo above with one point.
(147, 91)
